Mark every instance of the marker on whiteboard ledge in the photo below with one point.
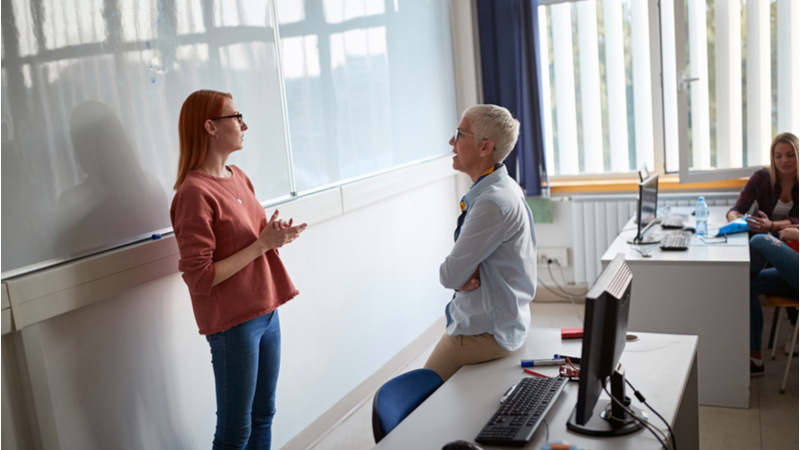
(156, 236)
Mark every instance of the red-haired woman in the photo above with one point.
(230, 263)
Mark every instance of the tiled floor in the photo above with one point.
(770, 423)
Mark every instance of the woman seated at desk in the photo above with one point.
(773, 189)
(780, 279)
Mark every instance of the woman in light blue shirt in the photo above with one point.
(492, 265)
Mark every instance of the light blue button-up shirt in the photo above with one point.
(498, 235)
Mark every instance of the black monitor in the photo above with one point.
(605, 328)
(646, 207)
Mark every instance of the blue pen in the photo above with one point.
(542, 362)
(155, 236)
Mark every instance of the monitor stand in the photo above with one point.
(641, 237)
(645, 240)
(610, 419)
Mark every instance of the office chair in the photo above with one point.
(398, 397)
(782, 302)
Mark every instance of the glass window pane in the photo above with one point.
(596, 66)
(368, 97)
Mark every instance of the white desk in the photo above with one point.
(703, 291)
(661, 366)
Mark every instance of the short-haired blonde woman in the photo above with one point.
(230, 263)
(492, 265)
(773, 187)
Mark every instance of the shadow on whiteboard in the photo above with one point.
(117, 198)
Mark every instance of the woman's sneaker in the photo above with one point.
(756, 370)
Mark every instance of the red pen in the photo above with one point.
(535, 373)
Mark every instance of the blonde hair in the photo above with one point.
(496, 124)
(786, 138)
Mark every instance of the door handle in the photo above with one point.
(683, 81)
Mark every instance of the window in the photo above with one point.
(740, 62)
(737, 62)
(597, 85)
(369, 85)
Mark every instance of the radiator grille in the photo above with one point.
(597, 219)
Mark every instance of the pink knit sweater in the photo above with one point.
(210, 225)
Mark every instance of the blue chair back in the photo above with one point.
(398, 397)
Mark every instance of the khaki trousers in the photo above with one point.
(452, 352)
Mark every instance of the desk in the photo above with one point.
(661, 366)
(703, 291)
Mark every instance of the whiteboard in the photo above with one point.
(90, 102)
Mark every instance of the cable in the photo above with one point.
(642, 399)
(557, 294)
(547, 429)
(566, 294)
(565, 297)
(561, 269)
(650, 427)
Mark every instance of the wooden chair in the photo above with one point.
(779, 303)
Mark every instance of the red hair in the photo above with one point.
(198, 107)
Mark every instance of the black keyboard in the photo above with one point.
(674, 221)
(521, 413)
(678, 240)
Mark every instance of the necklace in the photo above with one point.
(233, 175)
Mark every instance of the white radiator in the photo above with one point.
(597, 219)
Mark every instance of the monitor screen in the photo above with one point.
(648, 200)
(646, 211)
(605, 328)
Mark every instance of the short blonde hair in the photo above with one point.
(786, 138)
(496, 124)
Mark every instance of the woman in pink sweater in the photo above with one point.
(229, 260)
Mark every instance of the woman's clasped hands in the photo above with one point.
(279, 232)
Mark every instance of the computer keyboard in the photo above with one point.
(674, 221)
(521, 413)
(678, 240)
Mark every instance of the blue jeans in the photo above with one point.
(781, 279)
(246, 360)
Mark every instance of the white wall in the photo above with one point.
(132, 372)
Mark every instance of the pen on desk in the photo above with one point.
(537, 374)
(572, 359)
(542, 362)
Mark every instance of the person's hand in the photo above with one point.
(760, 223)
(733, 215)
(473, 283)
(278, 233)
(789, 233)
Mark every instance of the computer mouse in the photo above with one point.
(461, 445)
(691, 229)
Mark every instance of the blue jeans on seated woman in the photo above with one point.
(781, 279)
(246, 360)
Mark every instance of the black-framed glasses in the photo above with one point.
(238, 117)
(459, 133)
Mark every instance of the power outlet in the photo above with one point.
(552, 253)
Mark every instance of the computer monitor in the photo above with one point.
(604, 333)
(646, 207)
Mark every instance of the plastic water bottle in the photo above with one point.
(701, 217)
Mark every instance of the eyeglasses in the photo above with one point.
(715, 240)
(459, 133)
(238, 117)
